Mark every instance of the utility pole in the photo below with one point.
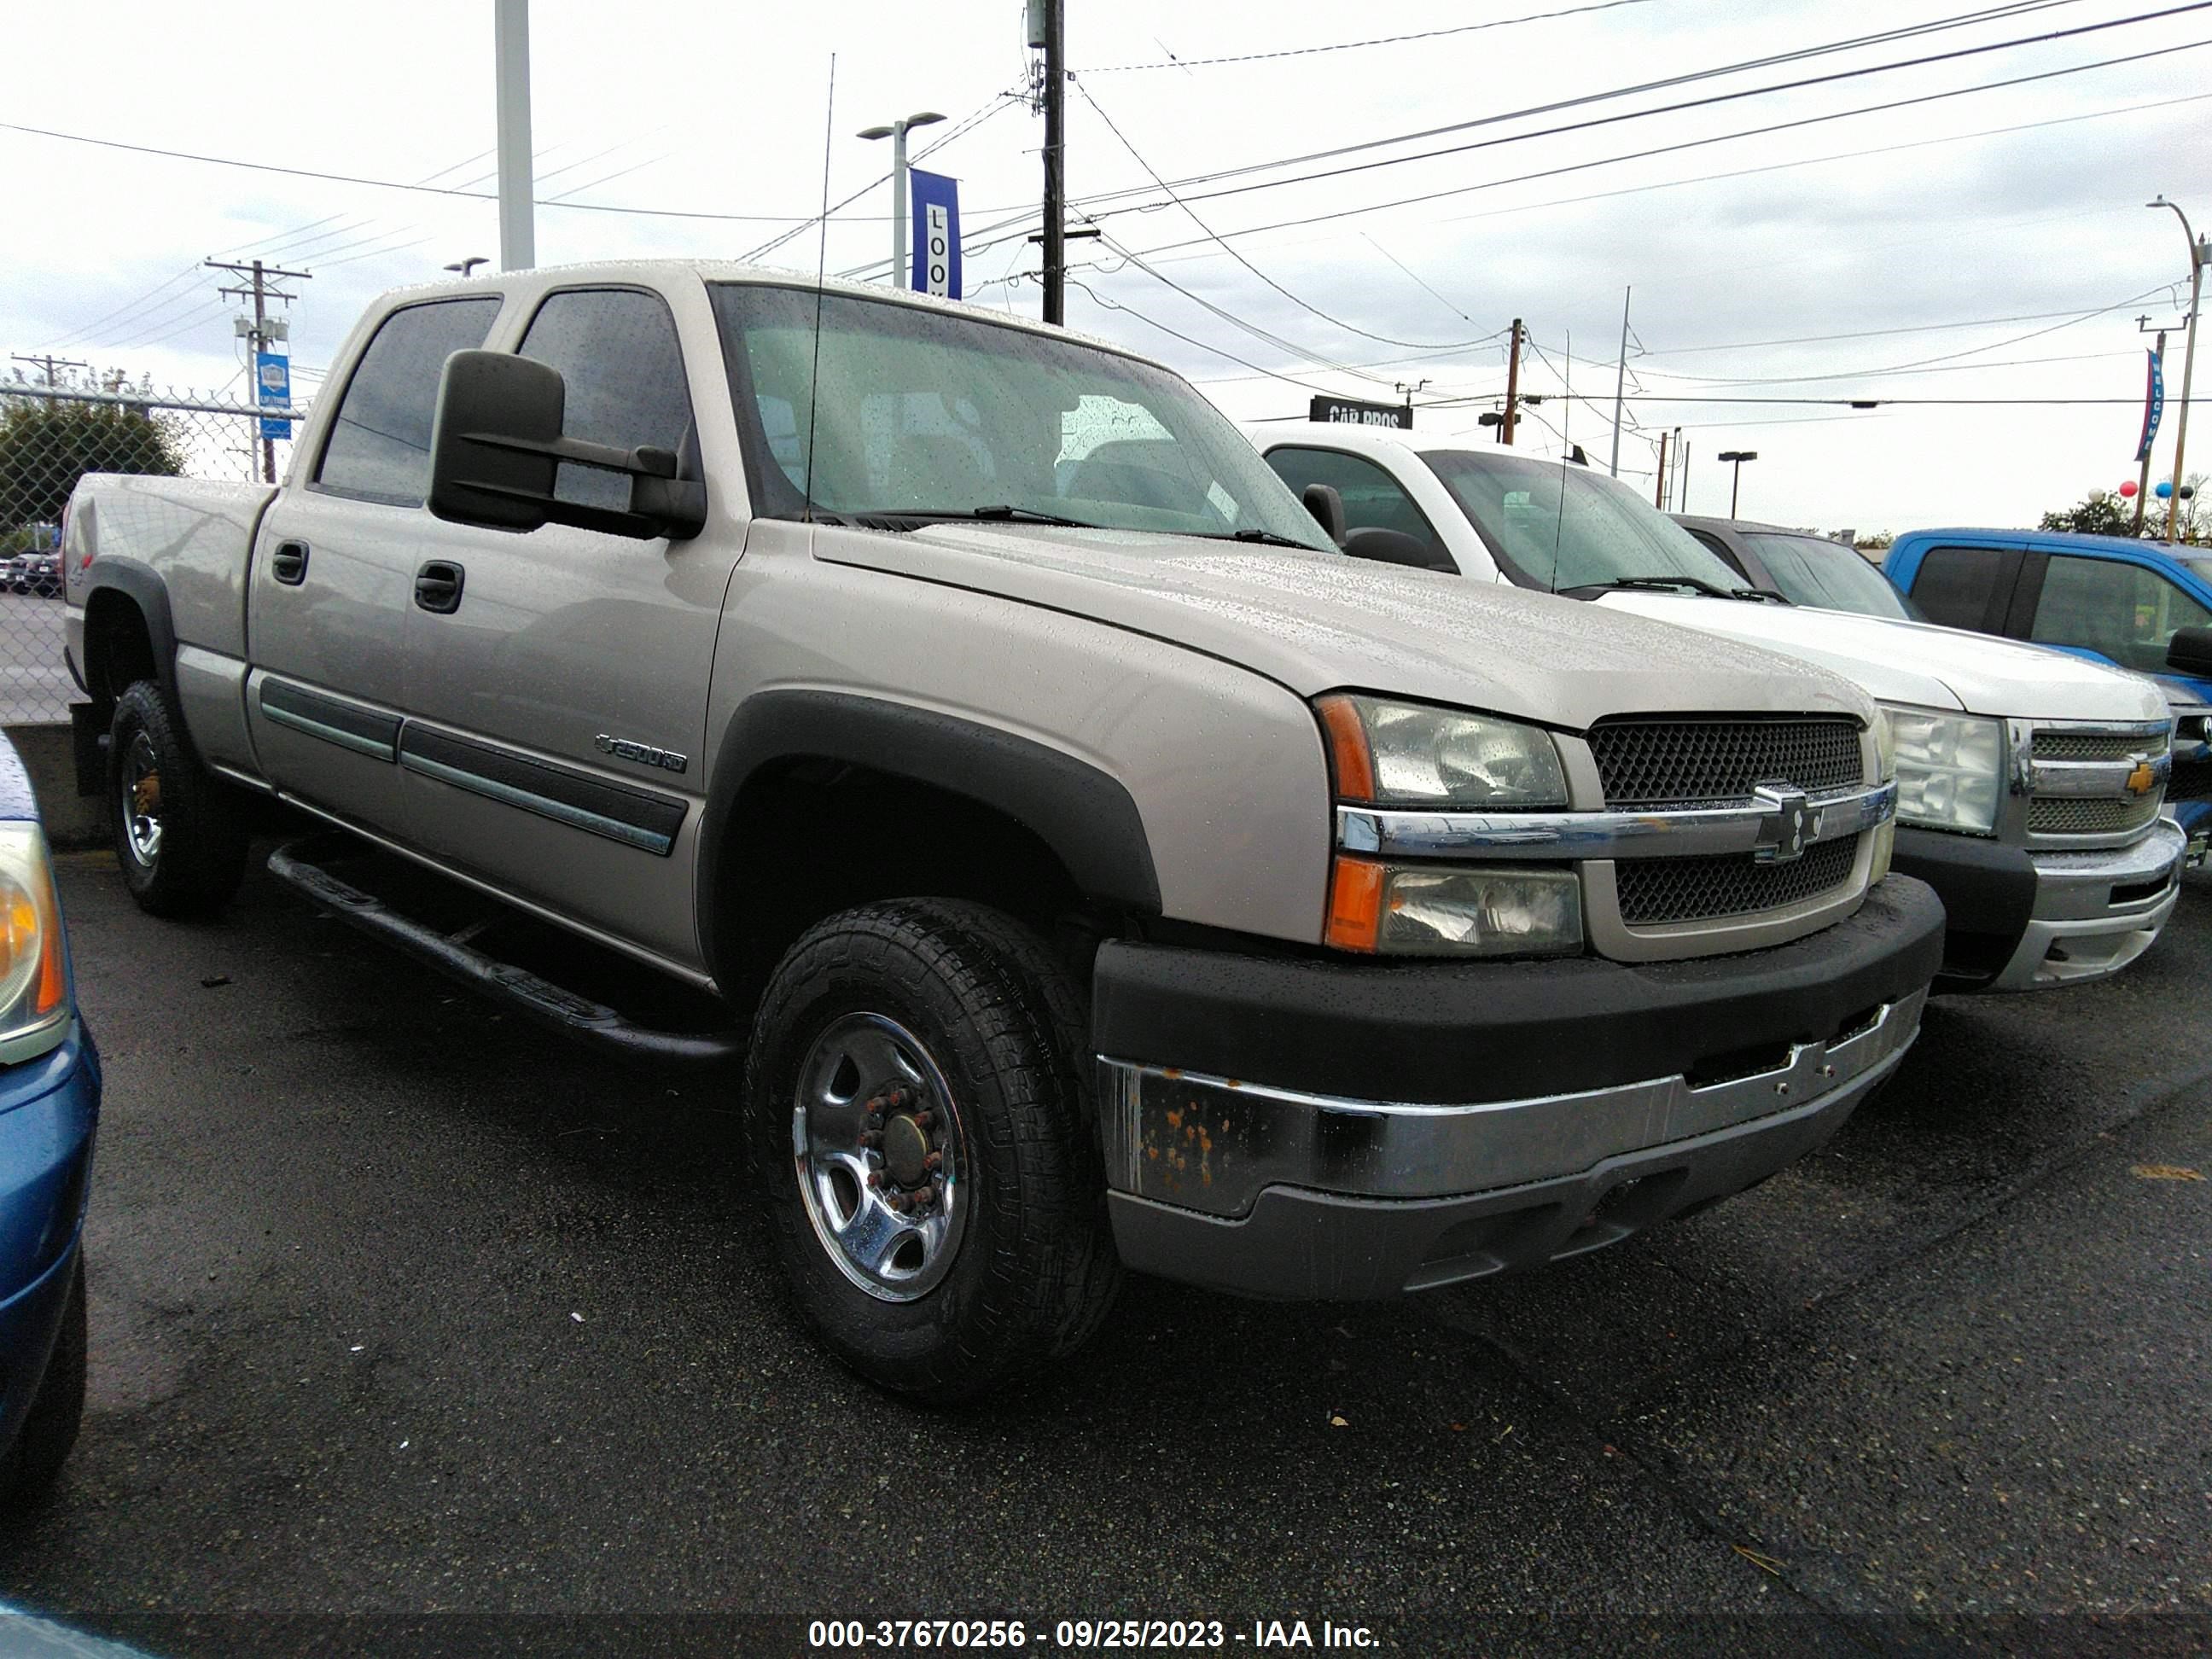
(1620, 380)
(518, 228)
(50, 363)
(897, 132)
(1683, 466)
(2142, 484)
(1659, 489)
(1049, 30)
(257, 339)
(1512, 385)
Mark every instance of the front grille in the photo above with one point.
(1654, 890)
(1656, 763)
(2095, 745)
(2070, 817)
(2192, 780)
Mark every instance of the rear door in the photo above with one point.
(558, 704)
(1971, 586)
(334, 574)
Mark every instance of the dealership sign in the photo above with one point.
(1350, 411)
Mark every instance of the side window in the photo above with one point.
(1955, 585)
(617, 352)
(1371, 497)
(379, 448)
(2117, 610)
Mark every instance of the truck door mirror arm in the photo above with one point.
(2190, 652)
(497, 449)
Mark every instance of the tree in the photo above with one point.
(46, 444)
(2102, 513)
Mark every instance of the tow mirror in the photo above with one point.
(1326, 503)
(1393, 547)
(496, 450)
(2190, 652)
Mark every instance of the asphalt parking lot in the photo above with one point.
(404, 1310)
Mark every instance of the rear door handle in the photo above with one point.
(289, 565)
(438, 587)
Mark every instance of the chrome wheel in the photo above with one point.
(142, 800)
(876, 1136)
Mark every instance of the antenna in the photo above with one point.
(821, 273)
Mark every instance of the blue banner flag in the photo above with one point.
(272, 385)
(936, 234)
(2154, 406)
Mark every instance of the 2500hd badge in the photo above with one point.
(643, 753)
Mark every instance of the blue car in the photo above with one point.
(2102, 597)
(49, 1114)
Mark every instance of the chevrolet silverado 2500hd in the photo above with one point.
(1102, 869)
(2028, 782)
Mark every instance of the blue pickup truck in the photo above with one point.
(49, 1113)
(2102, 597)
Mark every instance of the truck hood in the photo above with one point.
(1919, 663)
(1317, 622)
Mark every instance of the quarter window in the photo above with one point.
(380, 444)
(2119, 610)
(619, 355)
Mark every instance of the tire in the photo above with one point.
(953, 1018)
(50, 1428)
(182, 841)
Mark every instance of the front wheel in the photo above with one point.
(915, 1126)
(179, 838)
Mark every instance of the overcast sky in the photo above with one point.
(1981, 248)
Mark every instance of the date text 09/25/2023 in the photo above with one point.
(1086, 1635)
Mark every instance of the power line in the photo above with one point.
(1106, 304)
(1693, 143)
(1174, 62)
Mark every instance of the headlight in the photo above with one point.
(1885, 745)
(1950, 769)
(1435, 910)
(1403, 754)
(34, 981)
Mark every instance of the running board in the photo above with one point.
(564, 1011)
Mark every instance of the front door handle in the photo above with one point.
(438, 587)
(289, 565)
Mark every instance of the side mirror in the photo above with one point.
(1394, 547)
(496, 450)
(2190, 652)
(1326, 503)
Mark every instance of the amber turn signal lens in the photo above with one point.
(1350, 758)
(1355, 904)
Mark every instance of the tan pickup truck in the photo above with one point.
(1097, 868)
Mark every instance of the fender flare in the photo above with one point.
(143, 585)
(1086, 817)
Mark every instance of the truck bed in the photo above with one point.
(197, 536)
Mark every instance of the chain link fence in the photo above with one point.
(51, 436)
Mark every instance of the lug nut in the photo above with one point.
(871, 1137)
(934, 1161)
(875, 1178)
(924, 1118)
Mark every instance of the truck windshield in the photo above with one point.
(915, 415)
(1561, 528)
(1811, 570)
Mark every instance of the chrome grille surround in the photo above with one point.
(1647, 762)
(2068, 782)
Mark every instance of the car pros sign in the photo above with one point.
(936, 234)
(1350, 411)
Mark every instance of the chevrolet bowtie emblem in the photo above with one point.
(1788, 824)
(2142, 778)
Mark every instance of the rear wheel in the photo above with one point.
(915, 1125)
(179, 838)
(49, 1430)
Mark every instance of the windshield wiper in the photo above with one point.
(1661, 583)
(1761, 595)
(1001, 513)
(1257, 537)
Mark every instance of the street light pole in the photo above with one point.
(518, 231)
(897, 132)
(1737, 458)
(2200, 254)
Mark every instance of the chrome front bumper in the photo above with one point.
(1214, 1144)
(2096, 912)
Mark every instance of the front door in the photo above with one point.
(558, 693)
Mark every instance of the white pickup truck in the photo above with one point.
(1093, 866)
(2030, 782)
